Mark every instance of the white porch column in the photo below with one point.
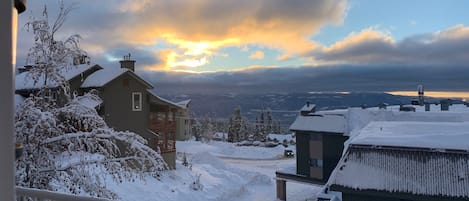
(7, 159)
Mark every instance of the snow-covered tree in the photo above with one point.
(50, 57)
(208, 129)
(238, 128)
(269, 122)
(70, 148)
(196, 129)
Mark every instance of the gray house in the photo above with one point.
(319, 144)
(411, 161)
(128, 103)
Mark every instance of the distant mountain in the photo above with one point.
(283, 105)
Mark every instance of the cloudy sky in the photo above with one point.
(264, 41)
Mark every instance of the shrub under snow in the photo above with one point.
(71, 148)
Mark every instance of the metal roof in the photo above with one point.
(402, 170)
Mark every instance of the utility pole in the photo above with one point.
(8, 21)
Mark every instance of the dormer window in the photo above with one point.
(136, 101)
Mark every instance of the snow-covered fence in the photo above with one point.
(22, 194)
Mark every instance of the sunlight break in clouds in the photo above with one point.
(435, 94)
(196, 30)
(189, 54)
(257, 55)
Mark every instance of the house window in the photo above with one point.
(136, 101)
(315, 162)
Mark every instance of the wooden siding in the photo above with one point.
(163, 122)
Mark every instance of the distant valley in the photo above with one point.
(284, 106)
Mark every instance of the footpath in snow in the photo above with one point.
(229, 176)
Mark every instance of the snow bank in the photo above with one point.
(280, 137)
(220, 181)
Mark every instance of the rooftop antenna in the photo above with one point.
(421, 94)
(127, 57)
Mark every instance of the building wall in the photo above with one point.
(302, 153)
(182, 130)
(170, 159)
(333, 145)
(317, 153)
(117, 107)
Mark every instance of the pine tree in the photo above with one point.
(209, 130)
(236, 129)
(269, 126)
(261, 125)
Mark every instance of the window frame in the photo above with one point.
(140, 102)
(317, 163)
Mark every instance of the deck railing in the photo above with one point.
(24, 194)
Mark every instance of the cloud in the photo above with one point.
(196, 29)
(259, 80)
(371, 46)
(257, 55)
(284, 57)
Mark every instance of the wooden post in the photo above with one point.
(281, 190)
(7, 154)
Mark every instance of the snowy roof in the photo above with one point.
(434, 135)
(320, 123)
(24, 80)
(185, 103)
(359, 118)
(104, 76)
(157, 99)
(308, 107)
(415, 172)
(89, 101)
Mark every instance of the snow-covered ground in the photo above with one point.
(230, 150)
(231, 175)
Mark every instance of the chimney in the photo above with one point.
(128, 63)
(307, 103)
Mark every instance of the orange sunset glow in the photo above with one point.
(435, 94)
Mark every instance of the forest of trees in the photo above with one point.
(237, 127)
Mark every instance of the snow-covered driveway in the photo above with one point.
(295, 191)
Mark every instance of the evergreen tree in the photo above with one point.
(261, 124)
(237, 131)
(269, 126)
